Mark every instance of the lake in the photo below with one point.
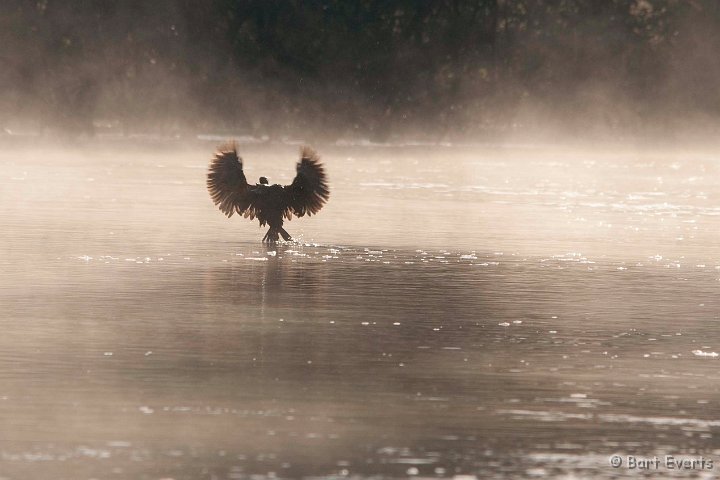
(455, 311)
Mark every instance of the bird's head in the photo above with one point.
(263, 180)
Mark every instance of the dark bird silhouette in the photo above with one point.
(270, 204)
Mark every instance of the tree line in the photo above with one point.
(358, 68)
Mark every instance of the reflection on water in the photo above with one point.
(445, 323)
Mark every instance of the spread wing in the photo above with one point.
(227, 184)
(309, 190)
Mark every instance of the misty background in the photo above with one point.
(481, 298)
(440, 70)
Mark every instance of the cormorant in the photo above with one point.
(269, 203)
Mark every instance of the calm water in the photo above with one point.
(453, 312)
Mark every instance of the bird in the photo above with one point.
(270, 204)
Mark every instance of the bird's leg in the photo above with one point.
(286, 236)
(271, 236)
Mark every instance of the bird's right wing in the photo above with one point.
(227, 184)
(309, 190)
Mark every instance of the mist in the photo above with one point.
(510, 271)
(431, 71)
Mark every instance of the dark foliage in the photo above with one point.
(365, 67)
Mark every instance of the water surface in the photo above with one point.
(493, 312)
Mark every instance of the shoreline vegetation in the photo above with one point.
(381, 71)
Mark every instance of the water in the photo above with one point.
(493, 312)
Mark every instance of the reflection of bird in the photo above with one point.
(269, 203)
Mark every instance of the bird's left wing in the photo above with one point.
(309, 190)
(227, 184)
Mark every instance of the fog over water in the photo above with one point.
(515, 276)
(450, 70)
(503, 312)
